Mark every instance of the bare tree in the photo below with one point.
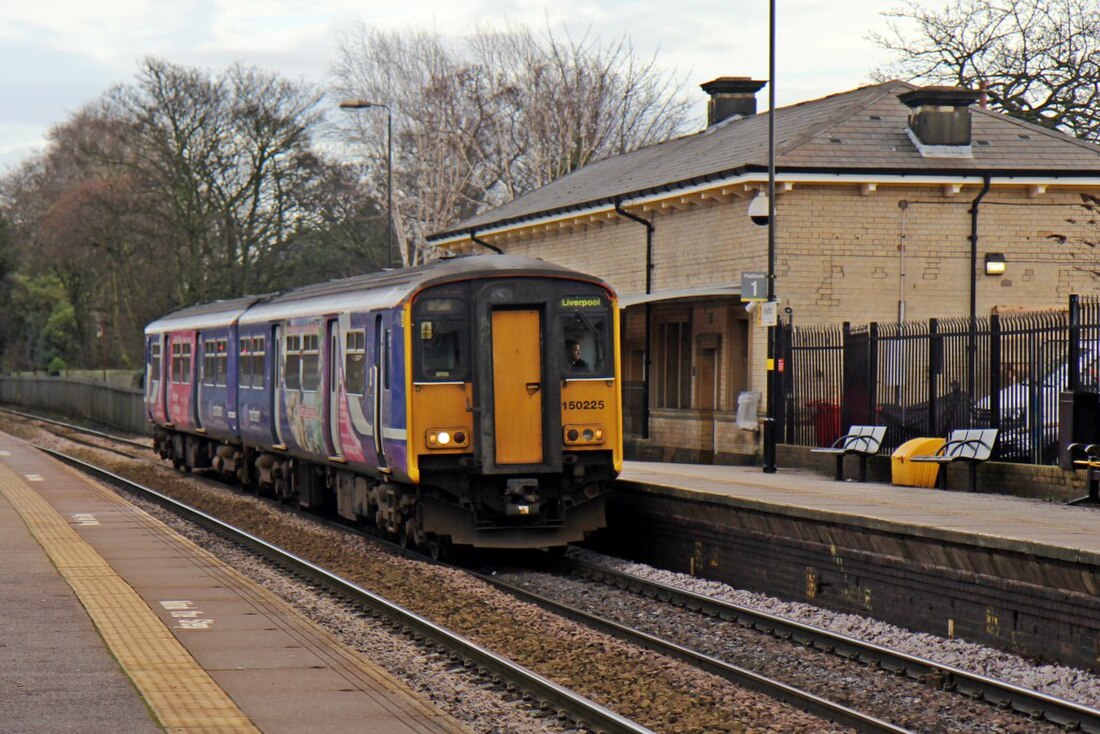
(500, 114)
(181, 187)
(1038, 60)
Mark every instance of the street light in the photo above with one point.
(362, 104)
(772, 381)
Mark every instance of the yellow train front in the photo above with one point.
(514, 409)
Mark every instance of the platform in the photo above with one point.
(1016, 573)
(113, 622)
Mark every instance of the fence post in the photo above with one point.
(872, 374)
(995, 369)
(1073, 381)
(935, 357)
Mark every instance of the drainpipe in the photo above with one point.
(476, 240)
(972, 347)
(648, 289)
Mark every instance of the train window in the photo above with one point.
(221, 363)
(441, 334)
(587, 344)
(209, 357)
(154, 367)
(185, 363)
(293, 358)
(258, 374)
(355, 362)
(244, 363)
(311, 362)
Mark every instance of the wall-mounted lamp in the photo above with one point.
(994, 263)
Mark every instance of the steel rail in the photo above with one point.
(561, 699)
(1026, 701)
(795, 697)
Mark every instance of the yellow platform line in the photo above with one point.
(181, 694)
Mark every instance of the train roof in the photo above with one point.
(384, 289)
(204, 315)
(390, 288)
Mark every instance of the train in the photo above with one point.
(473, 401)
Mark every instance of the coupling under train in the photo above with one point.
(472, 401)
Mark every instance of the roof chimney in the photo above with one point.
(939, 120)
(729, 96)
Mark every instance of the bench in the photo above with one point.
(972, 445)
(1091, 464)
(863, 441)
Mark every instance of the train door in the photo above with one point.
(200, 364)
(276, 352)
(167, 373)
(334, 359)
(377, 379)
(517, 385)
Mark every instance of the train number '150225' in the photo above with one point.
(582, 405)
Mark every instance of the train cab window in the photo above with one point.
(441, 335)
(587, 344)
(258, 352)
(311, 362)
(292, 370)
(355, 363)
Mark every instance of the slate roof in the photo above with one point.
(860, 131)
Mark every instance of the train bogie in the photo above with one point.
(473, 401)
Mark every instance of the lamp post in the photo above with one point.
(772, 381)
(362, 104)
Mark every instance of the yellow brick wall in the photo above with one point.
(844, 256)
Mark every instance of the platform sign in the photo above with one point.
(754, 286)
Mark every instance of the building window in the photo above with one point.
(672, 363)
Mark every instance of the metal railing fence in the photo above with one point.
(1005, 371)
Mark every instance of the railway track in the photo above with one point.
(585, 712)
(1033, 704)
(1037, 706)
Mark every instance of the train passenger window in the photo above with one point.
(355, 363)
(175, 362)
(293, 358)
(441, 335)
(244, 363)
(185, 363)
(258, 352)
(221, 363)
(311, 362)
(586, 351)
(209, 358)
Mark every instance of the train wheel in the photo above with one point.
(439, 548)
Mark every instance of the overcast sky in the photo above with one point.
(57, 55)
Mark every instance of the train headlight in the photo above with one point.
(583, 435)
(446, 438)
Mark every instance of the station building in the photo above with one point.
(892, 201)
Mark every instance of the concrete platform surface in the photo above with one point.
(1068, 533)
(113, 622)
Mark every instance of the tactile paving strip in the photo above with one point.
(182, 695)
